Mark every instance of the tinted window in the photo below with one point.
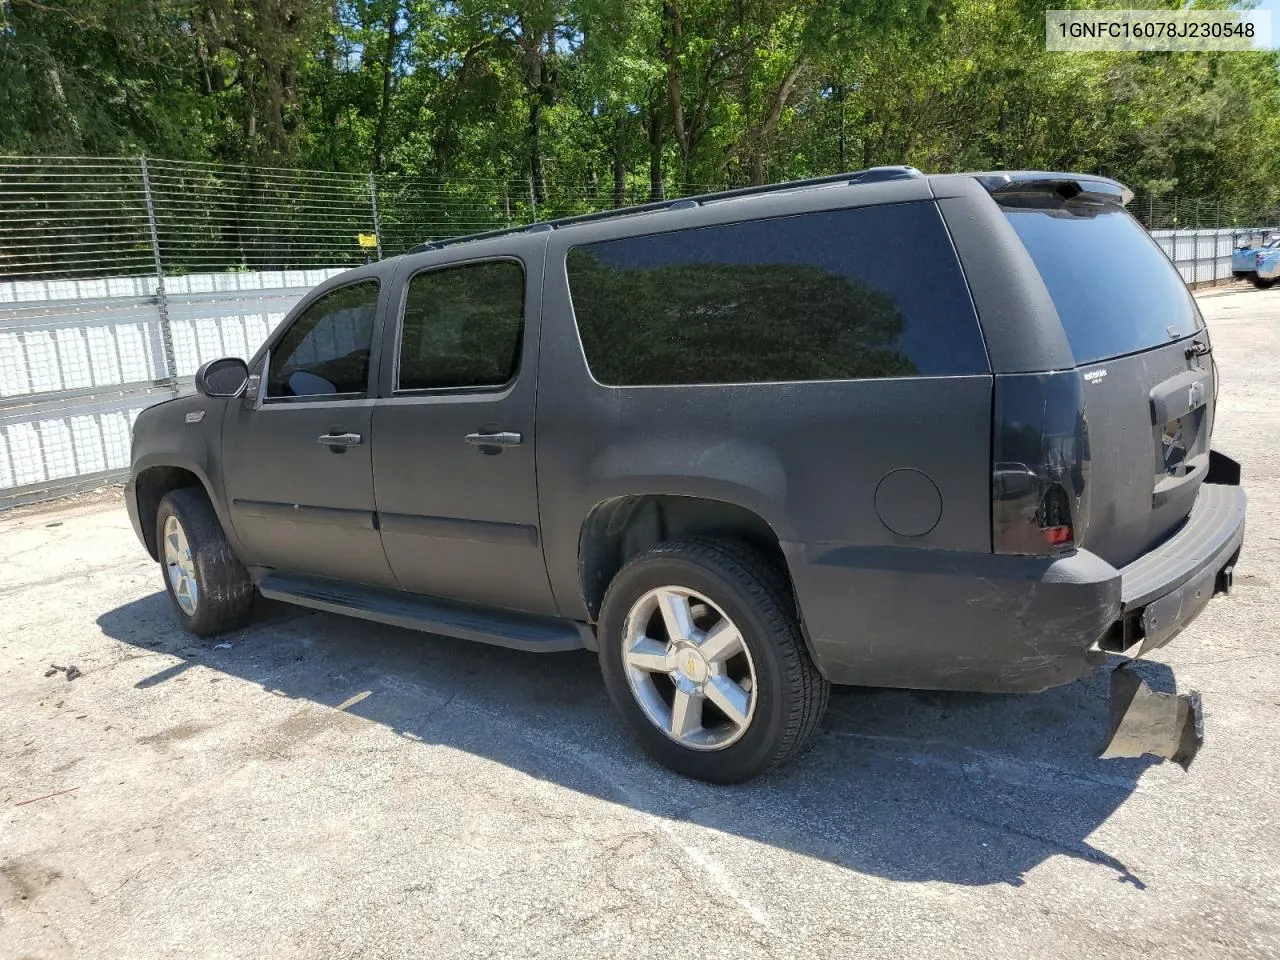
(1115, 290)
(326, 350)
(462, 326)
(872, 292)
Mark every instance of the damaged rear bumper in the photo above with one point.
(895, 617)
(1165, 589)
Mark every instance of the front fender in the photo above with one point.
(180, 434)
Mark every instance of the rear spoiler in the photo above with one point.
(1068, 186)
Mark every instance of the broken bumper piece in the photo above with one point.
(1168, 725)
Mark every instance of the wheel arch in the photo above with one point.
(150, 485)
(621, 527)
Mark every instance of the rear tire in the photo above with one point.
(758, 698)
(209, 586)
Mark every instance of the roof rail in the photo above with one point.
(857, 177)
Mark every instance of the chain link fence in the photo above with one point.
(120, 276)
(67, 218)
(1181, 213)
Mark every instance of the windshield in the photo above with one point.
(1115, 290)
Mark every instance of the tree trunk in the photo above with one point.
(388, 75)
(843, 95)
(656, 191)
(535, 148)
(670, 41)
(536, 49)
(251, 114)
(202, 57)
(754, 142)
(60, 97)
(620, 160)
(273, 115)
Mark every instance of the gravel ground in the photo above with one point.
(322, 787)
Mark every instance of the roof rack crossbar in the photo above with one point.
(870, 175)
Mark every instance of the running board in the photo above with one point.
(503, 628)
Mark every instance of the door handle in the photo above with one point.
(504, 438)
(340, 439)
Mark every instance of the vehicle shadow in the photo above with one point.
(911, 786)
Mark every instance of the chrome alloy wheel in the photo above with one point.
(181, 569)
(688, 668)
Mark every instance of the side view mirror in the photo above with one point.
(223, 378)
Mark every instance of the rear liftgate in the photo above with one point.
(1141, 348)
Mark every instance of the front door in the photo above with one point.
(297, 465)
(453, 465)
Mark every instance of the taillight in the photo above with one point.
(1054, 517)
(1040, 452)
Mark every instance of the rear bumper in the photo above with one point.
(894, 617)
(1165, 589)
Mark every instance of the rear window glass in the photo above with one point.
(462, 327)
(1115, 290)
(846, 294)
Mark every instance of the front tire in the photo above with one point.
(209, 586)
(703, 658)
(1264, 284)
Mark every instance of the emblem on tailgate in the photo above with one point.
(1093, 376)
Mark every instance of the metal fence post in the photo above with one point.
(533, 201)
(377, 223)
(162, 301)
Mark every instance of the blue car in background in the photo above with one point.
(1258, 262)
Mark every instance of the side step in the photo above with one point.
(503, 628)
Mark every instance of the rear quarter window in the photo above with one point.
(1114, 289)
(847, 294)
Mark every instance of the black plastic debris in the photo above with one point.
(1169, 725)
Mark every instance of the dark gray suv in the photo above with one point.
(885, 429)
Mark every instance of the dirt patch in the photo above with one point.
(109, 494)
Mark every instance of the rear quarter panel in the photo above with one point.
(806, 457)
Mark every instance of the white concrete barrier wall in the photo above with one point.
(1202, 256)
(80, 358)
(49, 449)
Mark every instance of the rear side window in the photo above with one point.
(1114, 289)
(326, 349)
(845, 294)
(462, 327)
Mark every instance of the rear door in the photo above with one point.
(454, 459)
(1139, 342)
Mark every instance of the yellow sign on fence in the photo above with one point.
(368, 241)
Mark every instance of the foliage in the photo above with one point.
(623, 100)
